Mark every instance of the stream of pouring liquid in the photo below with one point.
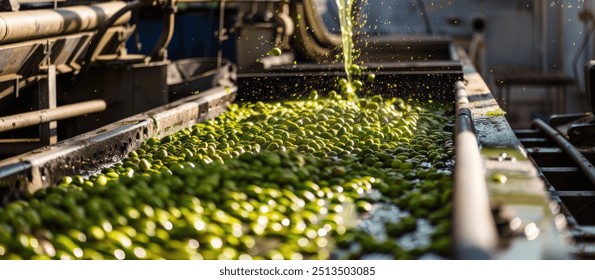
(345, 19)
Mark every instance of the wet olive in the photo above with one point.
(263, 180)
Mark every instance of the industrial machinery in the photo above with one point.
(75, 98)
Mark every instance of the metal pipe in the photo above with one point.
(582, 162)
(474, 231)
(14, 168)
(43, 116)
(26, 25)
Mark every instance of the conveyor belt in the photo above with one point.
(523, 198)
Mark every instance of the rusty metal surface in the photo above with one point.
(91, 151)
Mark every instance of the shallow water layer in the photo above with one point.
(307, 179)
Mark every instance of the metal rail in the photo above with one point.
(93, 150)
(474, 230)
(14, 168)
(576, 156)
(48, 115)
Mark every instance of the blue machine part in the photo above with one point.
(194, 35)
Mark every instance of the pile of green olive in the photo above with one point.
(297, 179)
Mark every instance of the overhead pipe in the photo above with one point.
(34, 24)
(48, 115)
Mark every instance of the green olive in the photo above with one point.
(276, 180)
(499, 178)
(276, 51)
(371, 77)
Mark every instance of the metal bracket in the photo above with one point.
(47, 59)
(13, 77)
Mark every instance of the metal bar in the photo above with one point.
(566, 179)
(43, 116)
(527, 133)
(570, 150)
(550, 157)
(536, 142)
(584, 231)
(47, 100)
(474, 229)
(17, 140)
(14, 168)
(576, 193)
(558, 169)
(10, 77)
